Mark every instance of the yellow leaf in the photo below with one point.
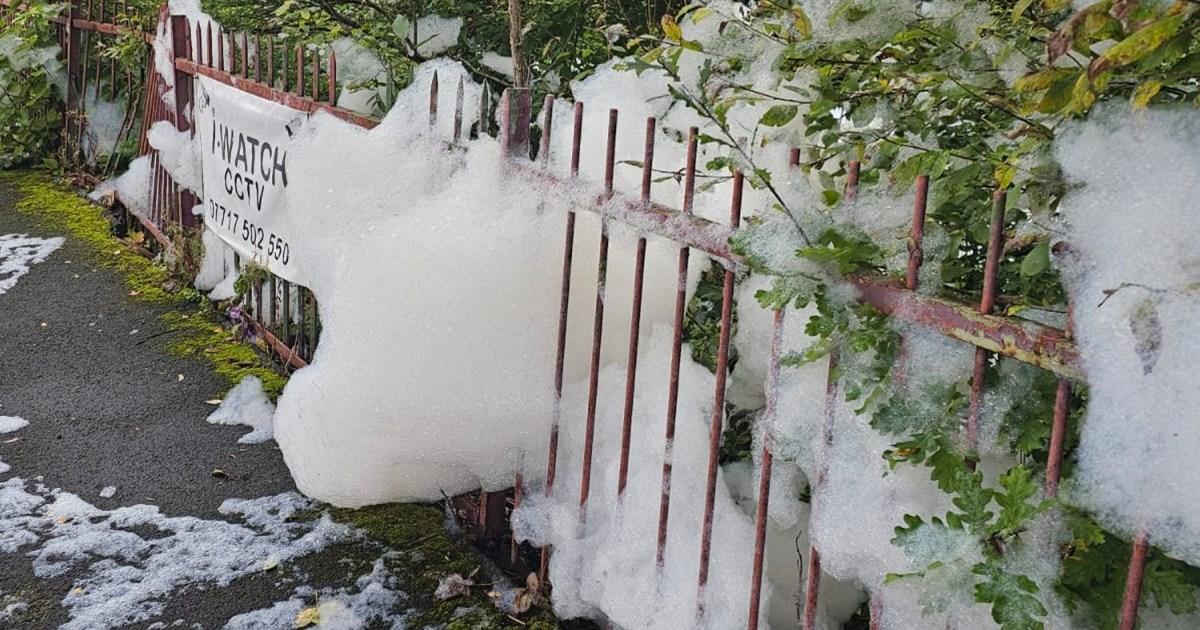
(671, 28)
(308, 617)
(1144, 41)
(801, 21)
(1005, 173)
(1020, 8)
(700, 14)
(1041, 80)
(1144, 92)
(1082, 97)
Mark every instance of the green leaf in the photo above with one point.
(1169, 587)
(1015, 508)
(1019, 9)
(831, 197)
(930, 163)
(701, 13)
(401, 26)
(1013, 598)
(1037, 260)
(847, 253)
(778, 115)
(1060, 93)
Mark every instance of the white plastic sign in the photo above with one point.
(243, 145)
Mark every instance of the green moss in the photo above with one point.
(62, 210)
(200, 334)
(427, 553)
(196, 329)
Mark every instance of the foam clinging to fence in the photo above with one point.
(1132, 270)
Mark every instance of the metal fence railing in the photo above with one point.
(306, 80)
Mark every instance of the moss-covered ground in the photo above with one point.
(195, 324)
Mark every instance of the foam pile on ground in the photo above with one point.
(247, 404)
(218, 269)
(371, 603)
(19, 252)
(1132, 273)
(123, 576)
(8, 424)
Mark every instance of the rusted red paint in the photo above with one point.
(991, 271)
(664, 506)
(770, 413)
(585, 484)
(281, 97)
(635, 317)
(1133, 581)
(1046, 347)
(718, 408)
(916, 255)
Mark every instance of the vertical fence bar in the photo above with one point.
(258, 58)
(585, 483)
(458, 110)
(564, 305)
(331, 77)
(1133, 582)
(74, 42)
(664, 505)
(316, 74)
(220, 48)
(635, 318)
(762, 508)
(718, 412)
(812, 587)
(180, 48)
(770, 413)
(271, 60)
(986, 302)
(271, 323)
(299, 69)
(433, 100)
(916, 255)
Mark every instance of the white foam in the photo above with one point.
(1133, 225)
(247, 404)
(122, 576)
(19, 252)
(8, 424)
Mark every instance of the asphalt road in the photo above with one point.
(106, 407)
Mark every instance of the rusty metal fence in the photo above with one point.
(305, 79)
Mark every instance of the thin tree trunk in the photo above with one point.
(520, 70)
